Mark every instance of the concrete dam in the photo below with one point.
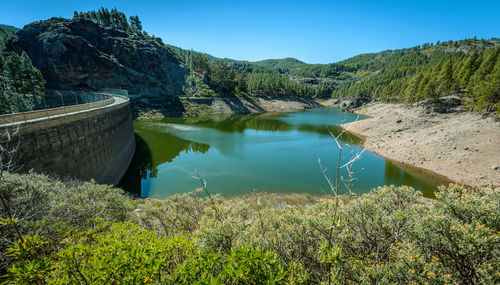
(93, 140)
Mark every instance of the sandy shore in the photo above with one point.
(460, 146)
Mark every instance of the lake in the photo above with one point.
(271, 152)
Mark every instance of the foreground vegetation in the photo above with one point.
(73, 233)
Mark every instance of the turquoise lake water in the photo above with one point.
(272, 152)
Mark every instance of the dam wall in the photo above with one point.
(91, 143)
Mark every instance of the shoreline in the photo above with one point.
(458, 146)
(199, 106)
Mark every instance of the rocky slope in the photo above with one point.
(82, 54)
(196, 106)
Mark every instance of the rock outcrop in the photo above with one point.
(83, 54)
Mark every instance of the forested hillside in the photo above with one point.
(469, 68)
(211, 76)
(6, 32)
(21, 84)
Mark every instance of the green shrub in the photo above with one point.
(54, 210)
(242, 265)
(88, 233)
(463, 233)
(177, 214)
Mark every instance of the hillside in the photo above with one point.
(467, 67)
(6, 32)
(282, 65)
(81, 53)
(102, 49)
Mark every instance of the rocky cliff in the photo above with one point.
(82, 54)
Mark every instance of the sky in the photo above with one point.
(311, 31)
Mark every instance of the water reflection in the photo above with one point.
(417, 178)
(235, 122)
(332, 130)
(144, 164)
(269, 152)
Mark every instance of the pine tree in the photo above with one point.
(445, 78)
(412, 90)
(12, 73)
(476, 85)
(470, 66)
(135, 24)
(489, 99)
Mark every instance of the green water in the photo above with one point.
(270, 152)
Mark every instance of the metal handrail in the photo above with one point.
(65, 105)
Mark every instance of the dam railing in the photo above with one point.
(52, 105)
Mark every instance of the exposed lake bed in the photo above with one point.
(462, 146)
(269, 152)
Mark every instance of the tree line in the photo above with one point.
(413, 75)
(429, 71)
(235, 78)
(21, 84)
(112, 18)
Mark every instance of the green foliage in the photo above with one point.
(54, 209)
(21, 84)
(242, 265)
(120, 253)
(226, 79)
(275, 85)
(283, 65)
(112, 18)
(389, 236)
(429, 72)
(6, 32)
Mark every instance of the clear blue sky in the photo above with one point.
(312, 31)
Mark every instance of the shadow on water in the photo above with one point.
(141, 163)
(147, 158)
(275, 152)
(427, 183)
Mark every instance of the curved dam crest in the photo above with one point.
(95, 143)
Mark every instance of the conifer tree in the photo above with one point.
(135, 24)
(445, 78)
(469, 67)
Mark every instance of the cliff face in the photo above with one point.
(83, 54)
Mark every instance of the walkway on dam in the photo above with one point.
(18, 119)
(93, 140)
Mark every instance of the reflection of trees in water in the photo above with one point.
(394, 173)
(261, 122)
(335, 130)
(425, 182)
(152, 150)
(235, 122)
(141, 162)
